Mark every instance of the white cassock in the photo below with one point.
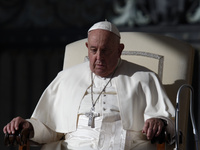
(133, 96)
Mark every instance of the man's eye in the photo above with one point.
(93, 51)
(107, 52)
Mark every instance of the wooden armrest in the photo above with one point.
(160, 140)
(19, 138)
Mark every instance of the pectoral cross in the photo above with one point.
(91, 115)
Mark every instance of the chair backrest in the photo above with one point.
(170, 58)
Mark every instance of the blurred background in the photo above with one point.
(34, 33)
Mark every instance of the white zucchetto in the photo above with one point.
(105, 25)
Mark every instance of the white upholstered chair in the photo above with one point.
(170, 58)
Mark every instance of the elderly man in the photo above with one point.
(106, 103)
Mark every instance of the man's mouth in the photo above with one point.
(99, 66)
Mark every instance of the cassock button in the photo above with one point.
(104, 109)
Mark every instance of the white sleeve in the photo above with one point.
(159, 105)
(43, 134)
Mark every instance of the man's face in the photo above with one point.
(104, 50)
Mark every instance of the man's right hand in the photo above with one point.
(16, 124)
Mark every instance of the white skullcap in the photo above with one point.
(105, 25)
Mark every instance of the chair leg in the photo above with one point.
(161, 146)
(25, 146)
(22, 147)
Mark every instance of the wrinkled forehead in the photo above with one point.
(100, 35)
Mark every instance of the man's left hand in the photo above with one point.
(153, 127)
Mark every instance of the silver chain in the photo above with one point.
(94, 102)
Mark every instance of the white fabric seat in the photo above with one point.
(170, 58)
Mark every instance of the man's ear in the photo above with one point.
(86, 44)
(121, 48)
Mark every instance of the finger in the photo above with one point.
(6, 129)
(145, 127)
(12, 126)
(16, 123)
(149, 133)
(159, 130)
(151, 130)
(155, 129)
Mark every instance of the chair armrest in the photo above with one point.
(19, 138)
(162, 138)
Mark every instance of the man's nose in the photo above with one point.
(99, 55)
